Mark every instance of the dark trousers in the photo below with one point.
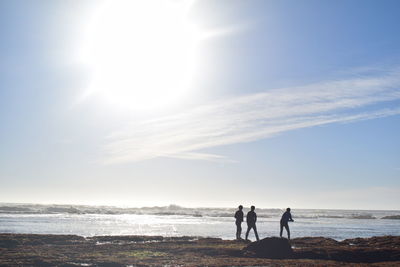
(249, 227)
(238, 230)
(286, 225)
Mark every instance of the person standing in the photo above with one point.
(286, 217)
(239, 220)
(251, 222)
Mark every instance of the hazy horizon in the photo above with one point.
(177, 205)
(173, 206)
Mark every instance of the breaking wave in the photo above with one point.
(194, 212)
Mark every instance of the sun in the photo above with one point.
(141, 54)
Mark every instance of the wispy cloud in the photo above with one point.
(257, 116)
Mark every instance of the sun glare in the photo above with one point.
(141, 53)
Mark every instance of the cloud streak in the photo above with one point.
(257, 116)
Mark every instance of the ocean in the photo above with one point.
(174, 220)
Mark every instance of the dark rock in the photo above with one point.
(73, 264)
(209, 240)
(42, 263)
(270, 247)
(109, 264)
(303, 242)
(356, 250)
(8, 243)
(392, 217)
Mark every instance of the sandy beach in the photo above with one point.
(72, 250)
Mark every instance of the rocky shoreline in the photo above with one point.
(72, 250)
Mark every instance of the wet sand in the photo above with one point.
(71, 250)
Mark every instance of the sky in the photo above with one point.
(201, 103)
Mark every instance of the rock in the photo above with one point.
(11, 243)
(42, 263)
(392, 217)
(109, 264)
(270, 247)
(319, 241)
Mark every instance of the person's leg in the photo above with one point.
(255, 232)
(238, 230)
(247, 232)
(280, 234)
(288, 231)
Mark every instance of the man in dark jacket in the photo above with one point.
(239, 220)
(286, 217)
(251, 222)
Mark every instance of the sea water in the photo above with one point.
(177, 221)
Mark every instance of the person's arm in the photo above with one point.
(290, 217)
(255, 217)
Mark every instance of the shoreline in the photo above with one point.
(74, 250)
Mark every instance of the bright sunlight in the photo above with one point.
(141, 53)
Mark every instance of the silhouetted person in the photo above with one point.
(239, 220)
(286, 217)
(251, 222)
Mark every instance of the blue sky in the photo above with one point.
(290, 103)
